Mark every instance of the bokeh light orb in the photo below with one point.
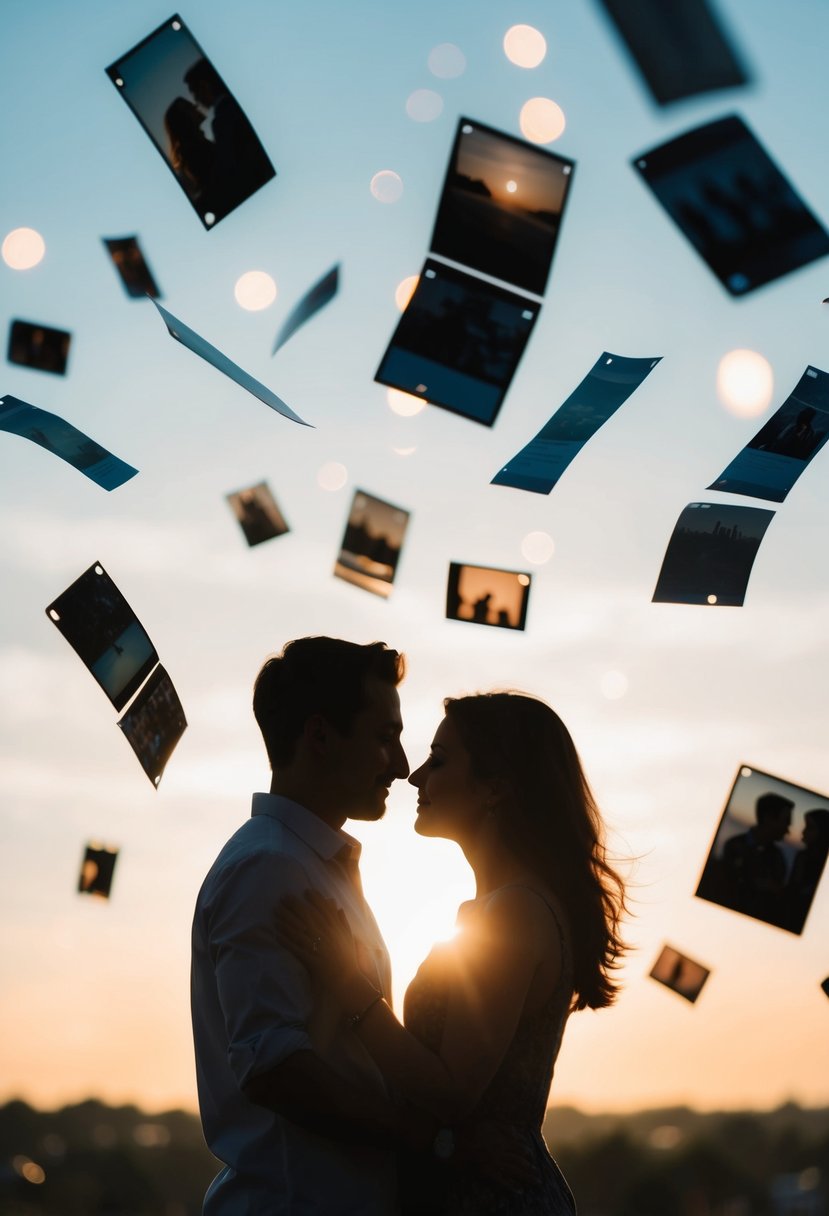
(745, 383)
(23, 248)
(404, 291)
(332, 476)
(538, 547)
(404, 404)
(424, 105)
(614, 685)
(525, 46)
(541, 120)
(255, 290)
(446, 61)
(387, 186)
(405, 451)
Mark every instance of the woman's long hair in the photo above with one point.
(551, 822)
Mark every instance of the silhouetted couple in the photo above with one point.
(220, 171)
(316, 1098)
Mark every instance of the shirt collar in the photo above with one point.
(326, 841)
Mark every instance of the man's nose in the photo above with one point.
(401, 769)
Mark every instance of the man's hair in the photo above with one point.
(203, 70)
(317, 675)
(771, 806)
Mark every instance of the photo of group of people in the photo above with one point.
(133, 271)
(680, 48)
(607, 385)
(38, 346)
(487, 596)
(193, 119)
(154, 723)
(58, 436)
(710, 555)
(769, 850)
(680, 973)
(373, 538)
(257, 513)
(458, 343)
(771, 462)
(501, 206)
(733, 204)
(97, 871)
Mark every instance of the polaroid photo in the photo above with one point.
(154, 723)
(97, 869)
(679, 973)
(710, 555)
(769, 850)
(312, 302)
(212, 355)
(105, 633)
(38, 347)
(65, 441)
(730, 200)
(459, 343)
(133, 271)
(501, 206)
(373, 538)
(607, 385)
(257, 513)
(680, 48)
(487, 596)
(772, 461)
(193, 119)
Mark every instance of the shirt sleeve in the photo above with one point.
(263, 991)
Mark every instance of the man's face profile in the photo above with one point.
(365, 761)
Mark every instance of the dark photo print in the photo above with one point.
(458, 343)
(772, 461)
(769, 850)
(680, 48)
(104, 632)
(97, 869)
(64, 440)
(193, 119)
(710, 555)
(486, 596)
(133, 271)
(257, 513)
(730, 200)
(679, 973)
(315, 298)
(607, 385)
(501, 206)
(39, 347)
(371, 544)
(154, 723)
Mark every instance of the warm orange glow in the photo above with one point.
(424, 105)
(404, 404)
(745, 383)
(255, 290)
(33, 1172)
(405, 290)
(23, 248)
(512, 187)
(541, 120)
(525, 46)
(387, 186)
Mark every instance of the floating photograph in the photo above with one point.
(487, 596)
(315, 298)
(769, 850)
(97, 870)
(607, 385)
(371, 545)
(64, 440)
(730, 200)
(39, 347)
(133, 271)
(501, 206)
(680, 48)
(257, 513)
(772, 461)
(193, 119)
(458, 343)
(154, 723)
(710, 554)
(679, 973)
(105, 633)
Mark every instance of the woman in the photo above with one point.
(485, 1014)
(191, 153)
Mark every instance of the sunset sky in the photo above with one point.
(664, 701)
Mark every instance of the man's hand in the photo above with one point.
(317, 932)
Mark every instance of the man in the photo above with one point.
(753, 864)
(290, 1100)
